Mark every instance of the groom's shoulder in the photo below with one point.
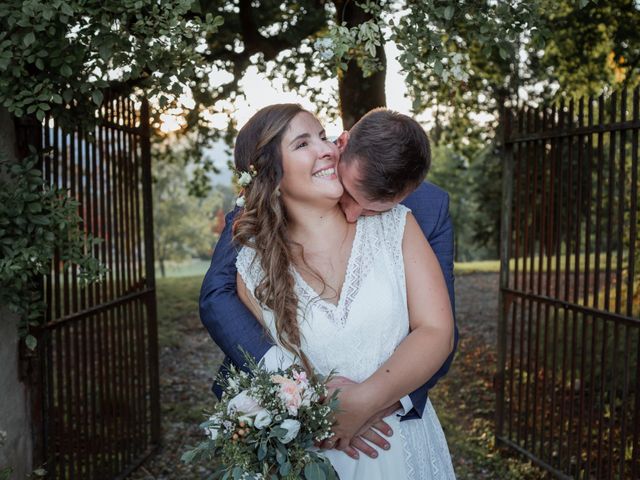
(426, 195)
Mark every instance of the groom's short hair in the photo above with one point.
(392, 151)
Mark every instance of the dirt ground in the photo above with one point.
(464, 400)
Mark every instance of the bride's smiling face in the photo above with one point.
(309, 162)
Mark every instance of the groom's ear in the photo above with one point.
(342, 141)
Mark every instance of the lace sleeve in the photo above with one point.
(249, 268)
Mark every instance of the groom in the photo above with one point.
(384, 159)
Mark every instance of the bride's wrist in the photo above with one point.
(373, 397)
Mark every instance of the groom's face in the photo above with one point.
(353, 202)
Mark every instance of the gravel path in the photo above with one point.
(187, 371)
(477, 306)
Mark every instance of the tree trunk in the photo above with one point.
(358, 94)
(162, 270)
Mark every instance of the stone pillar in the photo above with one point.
(15, 423)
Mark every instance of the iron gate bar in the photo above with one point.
(602, 128)
(95, 394)
(635, 461)
(631, 321)
(557, 473)
(82, 314)
(568, 241)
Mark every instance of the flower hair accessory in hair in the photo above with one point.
(244, 179)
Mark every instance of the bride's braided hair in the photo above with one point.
(263, 223)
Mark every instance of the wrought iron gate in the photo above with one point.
(94, 380)
(569, 334)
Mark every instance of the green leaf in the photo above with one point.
(35, 207)
(448, 12)
(97, 97)
(31, 342)
(189, 456)
(285, 468)
(438, 67)
(29, 39)
(65, 70)
(313, 472)
(66, 9)
(105, 51)
(262, 452)
(67, 95)
(39, 219)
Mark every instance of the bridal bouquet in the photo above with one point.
(265, 426)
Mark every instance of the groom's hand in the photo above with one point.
(369, 431)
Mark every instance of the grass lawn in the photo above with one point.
(479, 266)
(177, 297)
(190, 268)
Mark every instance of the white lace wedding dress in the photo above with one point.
(357, 335)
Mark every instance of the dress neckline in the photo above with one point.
(334, 308)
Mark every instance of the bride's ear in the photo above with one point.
(342, 141)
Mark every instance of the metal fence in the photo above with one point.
(569, 332)
(94, 380)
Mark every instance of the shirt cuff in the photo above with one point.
(278, 358)
(407, 405)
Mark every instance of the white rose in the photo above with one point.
(292, 427)
(263, 419)
(211, 432)
(309, 396)
(245, 179)
(244, 404)
(240, 202)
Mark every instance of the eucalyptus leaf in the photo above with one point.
(448, 12)
(313, 472)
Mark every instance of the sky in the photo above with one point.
(260, 92)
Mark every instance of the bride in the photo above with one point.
(365, 299)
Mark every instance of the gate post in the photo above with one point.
(156, 430)
(505, 244)
(15, 419)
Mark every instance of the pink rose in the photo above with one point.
(289, 393)
(300, 377)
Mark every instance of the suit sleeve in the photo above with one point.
(231, 325)
(441, 241)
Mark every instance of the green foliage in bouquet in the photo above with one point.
(36, 221)
(266, 424)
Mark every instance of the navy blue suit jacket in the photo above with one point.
(232, 325)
